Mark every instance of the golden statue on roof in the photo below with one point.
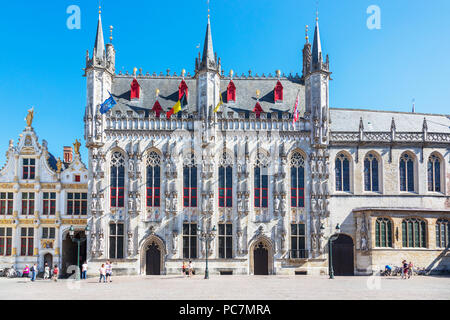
(76, 146)
(30, 116)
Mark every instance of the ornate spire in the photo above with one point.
(99, 48)
(317, 46)
(208, 61)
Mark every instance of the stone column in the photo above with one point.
(397, 231)
(431, 233)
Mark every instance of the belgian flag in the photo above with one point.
(178, 106)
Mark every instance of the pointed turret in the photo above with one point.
(306, 56)
(317, 55)
(209, 59)
(99, 47)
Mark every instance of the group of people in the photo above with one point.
(34, 271)
(407, 269)
(106, 272)
(187, 270)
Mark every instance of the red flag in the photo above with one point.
(296, 111)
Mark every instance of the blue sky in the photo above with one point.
(41, 60)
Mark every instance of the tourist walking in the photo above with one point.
(410, 269)
(183, 268)
(26, 272)
(190, 268)
(404, 269)
(102, 271)
(108, 271)
(55, 273)
(46, 271)
(84, 269)
(33, 272)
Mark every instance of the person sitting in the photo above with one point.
(387, 270)
(26, 272)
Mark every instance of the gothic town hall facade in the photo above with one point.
(274, 191)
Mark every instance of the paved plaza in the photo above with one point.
(230, 288)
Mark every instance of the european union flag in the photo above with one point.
(108, 104)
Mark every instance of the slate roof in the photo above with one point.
(168, 86)
(348, 120)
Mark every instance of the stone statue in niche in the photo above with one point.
(174, 241)
(174, 202)
(93, 242)
(130, 243)
(364, 235)
(240, 204)
(276, 204)
(283, 205)
(101, 244)
(168, 202)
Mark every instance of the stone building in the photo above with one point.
(40, 199)
(274, 190)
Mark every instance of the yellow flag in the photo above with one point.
(219, 105)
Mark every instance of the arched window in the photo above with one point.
(297, 180)
(190, 183)
(278, 92)
(406, 173)
(117, 180)
(383, 233)
(135, 90)
(414, 233)
(342, 173)
(231, 92)
(371, 173)
(261, 181)
(442, 233)
(434, 174)
(226, 182)
(154, 180)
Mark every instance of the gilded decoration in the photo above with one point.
(26, 221)
(47, 244)
(30, 117)
(75, 186)
(49, 221)
(74, 221)
(6, 221)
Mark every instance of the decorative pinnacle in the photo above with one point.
(111, 30)
(306, 32)
(183, 72)
(99, 10)
(258, 93)
(157, 93)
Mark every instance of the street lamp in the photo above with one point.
(330, 249)
(79, 241)
(207, 236)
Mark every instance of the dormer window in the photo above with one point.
(135, 90)
(157, 108)
(231, 92)
(278, 92)
(183, 89)
(258, 110)
(29, 169)
(77, 178)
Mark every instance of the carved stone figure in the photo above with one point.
(168, 202)
(240, 204)
(174, 241)
(30, 116)
(93, 244)
(101, 244)
(130, 243)
(276, 204)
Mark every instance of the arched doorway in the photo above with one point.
(343, 256)
(261, 260)
(153, 252)
(70, 252)
(153, 260)
(48, 259)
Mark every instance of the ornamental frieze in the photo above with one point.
(75, 186)
(6, 222)
(81, 222)
(48, 185)
(387, 137)
(6, 185)
(26, 221)
(49, 221)
(26, 185)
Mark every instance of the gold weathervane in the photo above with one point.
(30, 116)
(77, 146)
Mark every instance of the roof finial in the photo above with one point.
(209, 11)
(111, 31)
(317, 10)
(306, 33)
(414, 106)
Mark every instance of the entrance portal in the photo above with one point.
(261, 258)
(343, 262)
(153, 260)
(48, 259)
(70, 252)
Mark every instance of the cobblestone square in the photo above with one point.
(230, 288)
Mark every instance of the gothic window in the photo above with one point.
(29, 168)
(116, 240)
(76, 204)
(26, 241)
(117, 180)
(226, 182)
(190, 183)
(135, 90)
(190, 241)
(278, 92)
(371, 173)
(261, 181)
(297, 180)
(414, 233)
(406, 173)
(342, 173)
(154, 180)
(225, 241)
(298, 241)
(442, 233)
(5, 241)
(183, 89)
(48, 233)
(231, 92)
(28, 203)
(383, 233)
(6, 203)
(49, 203)
(434, 174)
